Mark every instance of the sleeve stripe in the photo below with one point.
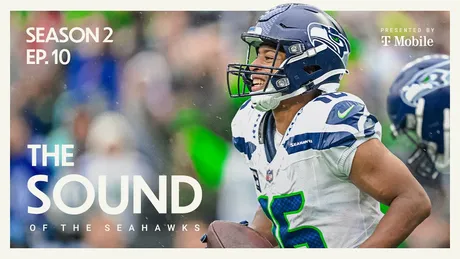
(319, 141)
(244, 147)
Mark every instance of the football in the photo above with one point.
(225, 234)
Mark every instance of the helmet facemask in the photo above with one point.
(277, 86)
(277, 81)
(422, 160)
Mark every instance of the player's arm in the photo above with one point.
(263, 225)
(376, 171)
(260, 223)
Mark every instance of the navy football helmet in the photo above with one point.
(316, 49)
(419, 107)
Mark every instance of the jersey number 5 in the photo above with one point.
(280, 207)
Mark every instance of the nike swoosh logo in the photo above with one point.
(345, 113)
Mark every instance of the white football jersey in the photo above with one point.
(302, 180)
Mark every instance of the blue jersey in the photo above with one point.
(302, 177)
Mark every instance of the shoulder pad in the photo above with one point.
(330, 120)
(333, 109)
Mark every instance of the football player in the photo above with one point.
(419, 108)
(319, 167)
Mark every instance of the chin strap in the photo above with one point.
(299, 91)
(265, 103)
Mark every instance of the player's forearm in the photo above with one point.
(406, 212)
(263, 225)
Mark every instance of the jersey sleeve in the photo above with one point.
(237, 125)
(348, 125)
(240, 138)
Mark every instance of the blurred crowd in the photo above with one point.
(124, 105)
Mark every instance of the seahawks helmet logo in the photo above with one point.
(425, 84)
(334, 40)
(438, 78)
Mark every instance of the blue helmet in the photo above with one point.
(316, 49)
(419, 107)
